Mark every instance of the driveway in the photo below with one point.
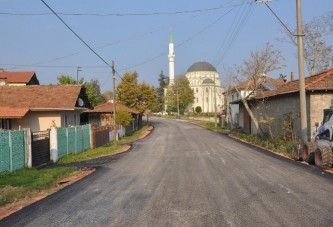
(184, 175)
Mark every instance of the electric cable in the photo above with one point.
(75, 33)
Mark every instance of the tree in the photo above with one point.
(93, 92)
(198, 109)
(163, 82)
(254, 71)
(92, 88)
(123, 118)
(65, 79)
(107, 95)
(318, 53)
(147, 98)
(132, 94)
(185, 94)
(127, 91)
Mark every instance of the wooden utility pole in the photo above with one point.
(302, 94)
(115, 137)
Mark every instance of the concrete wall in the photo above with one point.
(319, 101)
(43, 120)
(278, 107)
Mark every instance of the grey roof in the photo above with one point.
(201, 66)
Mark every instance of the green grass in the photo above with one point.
(105, 150)
(19, 184)
(90, 154)
(211, 126)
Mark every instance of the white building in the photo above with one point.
(206, 85)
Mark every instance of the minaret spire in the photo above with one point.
(171, 57)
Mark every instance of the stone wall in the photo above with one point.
(278, 107)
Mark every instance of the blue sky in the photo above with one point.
(220, 32)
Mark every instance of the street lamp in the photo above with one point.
(77, 74)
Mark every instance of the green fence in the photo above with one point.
(12, 150)
(73, 140)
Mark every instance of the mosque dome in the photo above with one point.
(201, 66)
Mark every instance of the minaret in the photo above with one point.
(171, 57)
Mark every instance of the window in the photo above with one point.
(197, 90)
(5, 124)
(65, 121)
(197, 99)
(75, 123)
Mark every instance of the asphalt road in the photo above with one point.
(183, 175)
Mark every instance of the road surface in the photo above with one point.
(184, 175)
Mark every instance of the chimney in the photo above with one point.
(2, 70)
(291, 76)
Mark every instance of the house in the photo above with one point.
(102, 115)
(234, 94)
(18, 78)
(40, 106)
(284, 103)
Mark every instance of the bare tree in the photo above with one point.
(253, 72)
(318, 48)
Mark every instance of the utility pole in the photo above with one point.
(302, 93)
(178, 116)
(300, 47)
(215, 102)
(115, 137)
(77, 74)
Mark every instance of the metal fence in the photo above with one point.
(73, 140)
(12, 150)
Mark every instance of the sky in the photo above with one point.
(135, 35)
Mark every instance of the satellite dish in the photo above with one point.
(80, 102)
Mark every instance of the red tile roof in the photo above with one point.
(40, 96)
(8, 112)
(247, 85)
(319, 82)
(17, 77)
(108, 108)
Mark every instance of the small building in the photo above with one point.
(283, 103)
(102, 115)
(234, 94)
(18, 78)
(41, 106)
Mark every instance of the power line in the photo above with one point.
(75, 33)
(120, 14)
(233, 32)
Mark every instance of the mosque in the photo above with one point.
(204, 81)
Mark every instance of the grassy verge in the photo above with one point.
(108, 149)
(276, 145)
(29, 182)
(17, 185)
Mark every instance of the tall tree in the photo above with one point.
(127, 91)
(163, 83)
(182, 90)
(92, 88)
(318, 45)
(132, 94)
(254, 70)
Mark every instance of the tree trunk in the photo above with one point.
(253, 118)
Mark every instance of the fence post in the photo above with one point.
(75, 140)
(91, 136)
(10, 152)
(67, 139)
(28, 147)
(53, 145)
